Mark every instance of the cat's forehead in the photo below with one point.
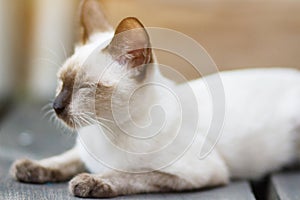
(91, 62)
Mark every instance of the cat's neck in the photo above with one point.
(148, 109)
(149, 96)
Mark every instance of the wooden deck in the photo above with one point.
(24, 133)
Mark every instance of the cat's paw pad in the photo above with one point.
(29, 171)
(86, 185)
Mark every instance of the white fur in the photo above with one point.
(260, 133)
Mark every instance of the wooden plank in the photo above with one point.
(12, 190)
(4, 166)
(285, 186)
(234, 191)
(26, 133)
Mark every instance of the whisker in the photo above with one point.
(47, 60)
(46, 107)
(48, 113)
(105, 126)
(52, 118)
(107, 120)
(99, 118)
(51, 51)
(64, 49)
(82, 119)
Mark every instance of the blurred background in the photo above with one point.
(36, 36)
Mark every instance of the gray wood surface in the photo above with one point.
(11, 190)
(285, 186)
(24, 133)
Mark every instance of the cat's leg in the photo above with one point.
(54, 169)
(120, 183)
(183, 177)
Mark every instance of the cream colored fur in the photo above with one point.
(260, 132)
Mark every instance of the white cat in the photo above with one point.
(260, 132)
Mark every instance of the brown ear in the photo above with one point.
(131, 44)
(92, 19)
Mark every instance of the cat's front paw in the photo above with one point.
(88, 185)
(29, 171)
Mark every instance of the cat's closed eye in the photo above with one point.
(85, 86)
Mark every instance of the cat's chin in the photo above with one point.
(69, 123)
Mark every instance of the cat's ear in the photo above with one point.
(130, 45)
(92, 20)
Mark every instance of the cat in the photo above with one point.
(260, 133)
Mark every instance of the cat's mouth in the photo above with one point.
(73, 122)
(66, 119)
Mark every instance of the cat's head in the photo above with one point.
(104, 62)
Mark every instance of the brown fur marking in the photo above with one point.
(48, 170)
(31, 172)
(131, 45)
(129, 23)
(86, 185)
(92, 19)
(119, 183)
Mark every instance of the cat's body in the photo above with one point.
(260, 134)
(260, 131)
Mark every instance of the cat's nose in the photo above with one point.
(61, 101)
(58, 107)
